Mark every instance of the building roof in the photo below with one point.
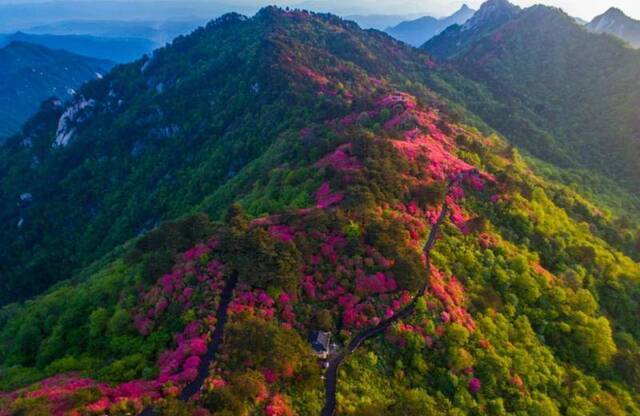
(320, 341)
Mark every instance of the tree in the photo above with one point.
(415, 402)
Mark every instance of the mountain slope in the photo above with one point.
(569, 94)
(457, 38)
(417, 32)
(616, 23)
(111, 49)
(100, 170)
(350, 162)
(30, 73)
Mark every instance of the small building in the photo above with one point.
(321, 343)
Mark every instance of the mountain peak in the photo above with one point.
(614, 12)
(497, 5)
(417, 32)
(463, 11)
(615, 22)
(492, 12)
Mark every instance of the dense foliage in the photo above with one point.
(570, 94)
(531, 306)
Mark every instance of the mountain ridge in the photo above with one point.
(32, 73)
(328, 159)
(110, 49)
(491, 15)
(66, 144)
(545, 98)
(417, 32)
(615, 22)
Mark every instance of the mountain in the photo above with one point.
(269, 190)
(31, 73)
(457, 38)
(417, 32)
(616, 23)
(367, 7)
(180, 123)
(158, 32)
(378, 21)
(569, 94)
(580, 21)
(15, 16)
(111, 49)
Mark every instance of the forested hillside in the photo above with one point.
(186, 224)
(564, 94)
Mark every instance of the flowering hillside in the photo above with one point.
(451, 278)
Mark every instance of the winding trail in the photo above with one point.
(331, 375)
(217, 337)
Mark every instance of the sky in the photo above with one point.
(585, 9)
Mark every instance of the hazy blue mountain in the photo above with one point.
(580, 21)
(14, 17)
(417, 32)
(31, 73)
(113, 49)
(379, 21)
(615, 22)
(159, 32)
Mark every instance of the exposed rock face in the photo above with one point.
(70, 119)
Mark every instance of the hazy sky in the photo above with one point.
(585, 9)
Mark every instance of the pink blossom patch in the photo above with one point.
(325, 198)
(282, 232)
(341, 159)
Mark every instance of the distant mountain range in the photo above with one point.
(113, 49)
(158, 32)
(457, 38)
(31, 73)
(615, 22)
(416, 32)
(566, 95)
(379, 21)
(14, 17)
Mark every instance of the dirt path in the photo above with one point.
(331, 375)
(217, 337)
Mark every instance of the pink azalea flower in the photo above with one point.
(475, 385)
(325, 198)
